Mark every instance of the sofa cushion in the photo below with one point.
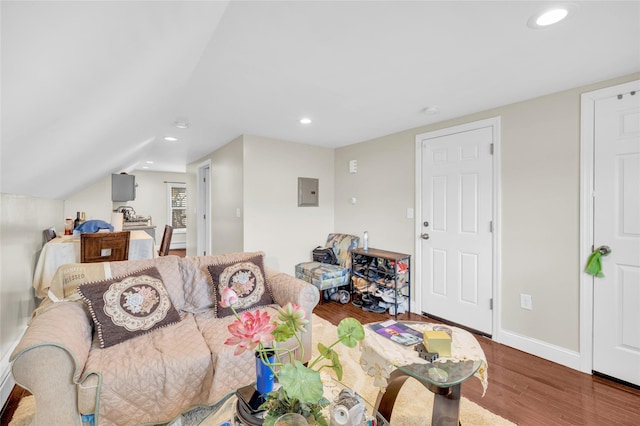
(69, 276)
(151, 378)
(234, 371)
(128, 306)
(246, 278)
(169, 268)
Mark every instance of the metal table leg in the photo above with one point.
(446, 402)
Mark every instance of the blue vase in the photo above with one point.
(264, 376)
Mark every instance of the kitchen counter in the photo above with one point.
(140, 226)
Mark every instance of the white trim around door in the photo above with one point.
(494, 123)
(203, 215)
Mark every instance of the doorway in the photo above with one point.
(610, 219)
(204, 209)
(457, 223)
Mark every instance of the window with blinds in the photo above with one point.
(178, 205)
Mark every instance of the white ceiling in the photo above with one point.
(90, 88)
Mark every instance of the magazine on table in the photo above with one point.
(397, 332)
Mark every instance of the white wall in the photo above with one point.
(540, 210)
(22, 220)
(273, 222)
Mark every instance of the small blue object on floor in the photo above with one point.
(88, 420)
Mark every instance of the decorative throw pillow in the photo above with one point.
(246, 278)
(126, 307)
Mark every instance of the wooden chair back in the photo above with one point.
(104, 246)
(166, 241)
(49, 234)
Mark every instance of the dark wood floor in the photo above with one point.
(522, 388)
(528, 390)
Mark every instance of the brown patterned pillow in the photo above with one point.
(126, 307)
(246, 278)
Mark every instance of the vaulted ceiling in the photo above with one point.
(90, 88)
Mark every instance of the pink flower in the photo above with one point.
(251, 329)
(228, 298)
(294, 316)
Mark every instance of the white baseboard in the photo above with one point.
(5, 389)
(6, 379)
(548, 351)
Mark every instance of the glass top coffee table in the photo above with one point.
(225, 410)
(392, 363)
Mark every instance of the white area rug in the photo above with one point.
(413, 406)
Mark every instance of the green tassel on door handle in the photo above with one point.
(594, 263)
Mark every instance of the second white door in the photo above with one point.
(616, 313)
(457, 243)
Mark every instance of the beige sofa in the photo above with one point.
(148, 378)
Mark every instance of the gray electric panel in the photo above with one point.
(308, 192)
(123, 187)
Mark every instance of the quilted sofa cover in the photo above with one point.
(151, 378)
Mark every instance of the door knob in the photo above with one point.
(604, 250)
(424, 236)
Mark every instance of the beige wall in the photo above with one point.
(94, 200)
(227, 169)
(273, 222)
(22, 220)
(151, 200)
(226, 197)
(540, 207)
(383, 188)
(259, 176)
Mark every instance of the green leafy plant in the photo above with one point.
(301, 389)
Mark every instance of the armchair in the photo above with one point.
(325, 276)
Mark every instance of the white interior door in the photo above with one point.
(457, 205)
(616, 313)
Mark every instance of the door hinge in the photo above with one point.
(491, 149)
(490, 226)
(491, 304)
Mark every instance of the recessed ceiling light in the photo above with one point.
(149, 162)
(145, 167)
(551, 16)
(181, 123)
(170, 139)
(305, 120)
(430, 110)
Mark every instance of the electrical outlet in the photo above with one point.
(525, 301)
